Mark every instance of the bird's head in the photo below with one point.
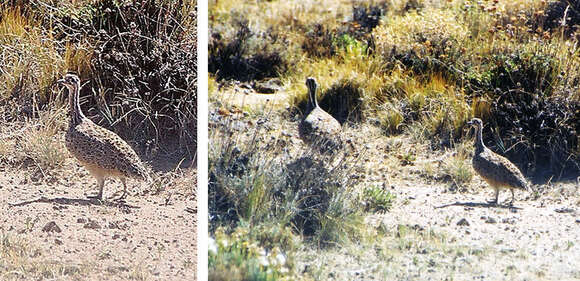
(476, 122)
(311, 83)
(71, 81)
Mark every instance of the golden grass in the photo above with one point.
(38, 144)
(31, 57)
(406, 33)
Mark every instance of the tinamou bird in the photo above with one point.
(318, 127)
(495, 169)
(103, 153)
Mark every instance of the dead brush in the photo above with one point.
(139, 60)
(242, 52)
(145, 69)
(538, 133)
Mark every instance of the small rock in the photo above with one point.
(269, 86)
(417, 227)
(490, 220)
(81, 220)
(116, 236)
(57, 242)
(92, 225)
(51, 227)
(507, 251)
(463, 222)
(564, 210)
(508, 220)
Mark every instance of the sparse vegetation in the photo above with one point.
(254, 181)
(137, 61)
(403, 77)
(20, 260)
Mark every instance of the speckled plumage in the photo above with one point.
(495, 169)
(102, 152)
(318, 127)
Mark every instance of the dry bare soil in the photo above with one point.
(50, 230)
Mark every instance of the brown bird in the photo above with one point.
(495, 169)
(318, 127)
(103, 153)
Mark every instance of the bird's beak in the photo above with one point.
(470, 123)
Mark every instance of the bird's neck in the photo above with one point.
(479, 145)
(312, 103)
(76, 114)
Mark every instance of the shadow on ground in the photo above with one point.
(75, 202)
(479, 205)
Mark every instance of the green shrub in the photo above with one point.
(240, 255)
(377, 199)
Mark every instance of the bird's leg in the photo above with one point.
(100, 185)
(124, 193)
(496, 197)
(513, 198)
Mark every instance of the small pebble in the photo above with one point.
(463, 222)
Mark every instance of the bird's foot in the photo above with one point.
(95, 196)
(117, 197)
(493, 202)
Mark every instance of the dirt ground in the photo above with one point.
(151, 236)
(534, 240)
(437, 235)
(437, 232)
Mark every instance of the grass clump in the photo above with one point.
(458, 171)
(421, 41)
(254, 182)
(30, 64)
(377, 199)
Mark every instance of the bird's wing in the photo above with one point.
(505, 171)
(110, 151)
